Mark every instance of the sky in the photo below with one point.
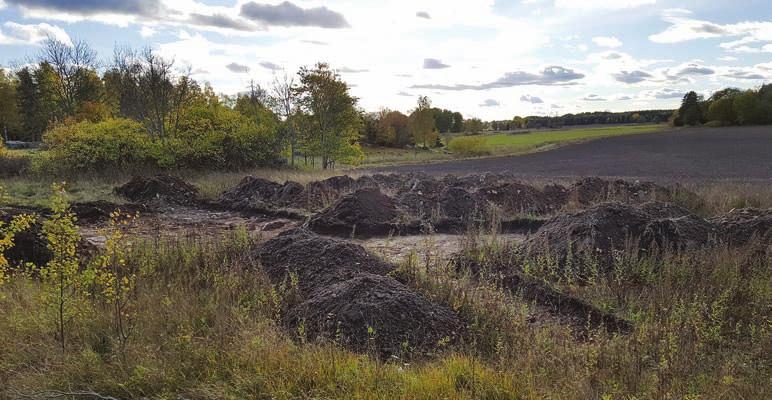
(490, 59)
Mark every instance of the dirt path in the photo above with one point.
(693, 154)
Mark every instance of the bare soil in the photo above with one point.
(693, 154)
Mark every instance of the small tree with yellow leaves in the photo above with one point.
(61, 279)
(8, 231)
(115, 278)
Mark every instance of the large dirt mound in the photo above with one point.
(516, 198)
(373, 313)
(251, 192)
(92, 212)
(163, 189)
(591, 191)
(366, 212)
(29, 246)
(597, 233)
(316, 261)
(742, 226)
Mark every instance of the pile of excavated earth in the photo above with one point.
(347, 295)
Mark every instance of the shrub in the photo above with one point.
(212, 137)
(87, 146)
(474, 146)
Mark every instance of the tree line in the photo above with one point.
(730, 106)
(143, 101)
(586, 118)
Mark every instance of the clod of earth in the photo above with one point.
(160, 189)
(364, 213)
(374, 313)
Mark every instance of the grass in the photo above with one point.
(506, 144)
(207, 325)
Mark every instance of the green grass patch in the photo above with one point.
(501, 144)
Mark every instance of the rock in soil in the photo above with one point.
(316, 261)
(375, 314)
(159, 189)
(364, 213)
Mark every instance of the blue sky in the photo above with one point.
(485, 58)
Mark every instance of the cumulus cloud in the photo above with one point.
(684, 28)
(220, 21)
(423, 14)
(744, 74)
(237, 68)
(664, 94)
(20, 34)
(490, 103)
(631, 77)
(147, 31)
(270, 65)
(593, 97)
(605, 41)
(433, 63)
(403, 93)
(91, 7)
(527, 98)
(288, 14)
(623, 98)
(550, 76)
(692, 69)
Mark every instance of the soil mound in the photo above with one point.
(373, 313)
(251, 192)
(161, 188)
(517, 198)
(93, 212)
(457, 204)
(291, 194)
(29, 246)
(591, 191)
(316, 261)
(742, 226)
(600, 231)
(366, 212)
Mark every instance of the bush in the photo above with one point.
(470, 145)
(86, 146)
(212, 137)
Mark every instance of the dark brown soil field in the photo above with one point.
(694, 154)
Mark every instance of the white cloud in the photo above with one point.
(20, 34)
(605, 41)
(147, 31)
(602, 4)
(727, 59)
(684, 28)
